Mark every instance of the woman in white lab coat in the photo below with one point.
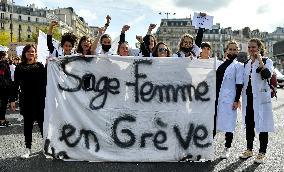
(256, 96)
(229, 85)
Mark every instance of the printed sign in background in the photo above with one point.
(129, 109)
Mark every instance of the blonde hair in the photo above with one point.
(232, 42)
(186, 35)
(260, 45)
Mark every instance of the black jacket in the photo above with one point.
(5, 80)
(31, 79)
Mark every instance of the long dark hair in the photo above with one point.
(146, 40)
(80, 48)
(155, 50)
(26, 49)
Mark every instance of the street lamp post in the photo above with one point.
(167, 13)
(11, 18)
(166, 26)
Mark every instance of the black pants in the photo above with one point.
(250, 134)
(229, 139)
(3, 106)
(215, 118)
(29, 119)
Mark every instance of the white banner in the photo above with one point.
(133, 109)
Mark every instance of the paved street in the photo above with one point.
(12, 146)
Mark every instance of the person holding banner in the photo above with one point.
(104, 39)
(205, 50)
(84, 46)
(147, 43)
(68, 42)
(256, 100)
(162, 50)
(229, 84)
(30, 77)
(186, 47)
(123, 46)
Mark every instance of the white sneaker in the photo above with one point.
(226, 153)
(260, 158)
(26, 154)
(246, 154)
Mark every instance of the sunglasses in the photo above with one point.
(233, 49)
(162, 49)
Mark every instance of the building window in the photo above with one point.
(29, 36)
(20, 27)
(20, 18)
(11, 16)
(2, 25)
(29, 29)
(36, 19)
(2, 15)
(11, 26)
(29, 18)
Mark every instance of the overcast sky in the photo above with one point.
(257, 14)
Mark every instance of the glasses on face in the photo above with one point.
(162, 49)
(251, 47)
(233, 49)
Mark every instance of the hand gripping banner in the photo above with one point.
(129, 109)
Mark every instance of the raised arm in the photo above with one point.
(150, 29)
(100, 33)
(144, 43)
(122, 35)
(49, 36)
(96, 42)
(199, 36)
(143, 49)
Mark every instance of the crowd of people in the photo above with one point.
(235, 81)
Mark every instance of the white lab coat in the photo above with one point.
(262, 105)
(226, 116)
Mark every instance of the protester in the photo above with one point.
(30, 77)
(186, 47)
(256, 100)
(84, 46)
(229, 84)
(123, 46)
(205, 50)
(5, 87)
(161, 50)
(68, 42)
(104, 39)
(148, 43)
